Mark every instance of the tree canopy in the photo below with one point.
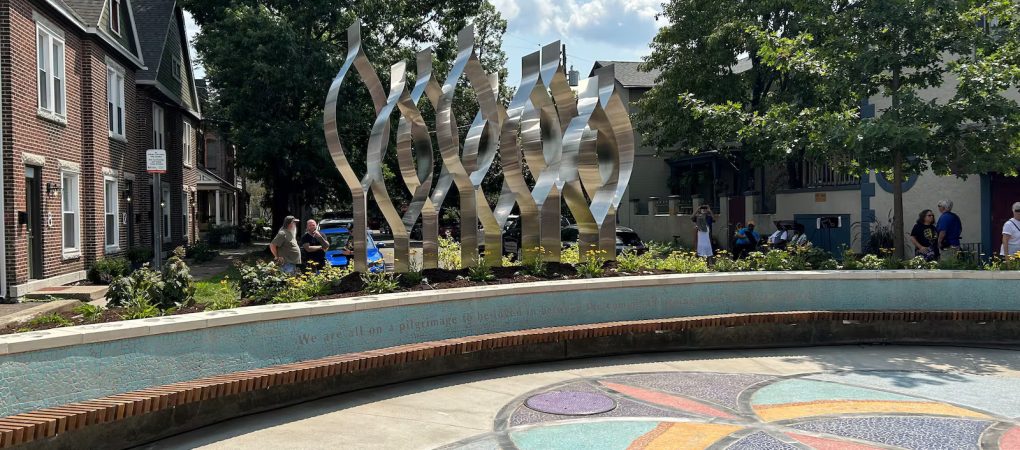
(810, 64)
(272, 61)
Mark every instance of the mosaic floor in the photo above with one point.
(852, 410)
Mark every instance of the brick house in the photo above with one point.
(170, 117)
(80, 87)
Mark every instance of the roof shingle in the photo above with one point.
(152, 18)
(629, 74)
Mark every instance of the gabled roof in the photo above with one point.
(629, 74)
(87, 15)
(152, 17)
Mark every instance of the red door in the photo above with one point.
(1005, 192)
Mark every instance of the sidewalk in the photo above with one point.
(224, 261)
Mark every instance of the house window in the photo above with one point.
(177, 68)
(50, 51)
(115, 17)
(188, 144)
(158, 136)
(165, 197)
(115, 100)
(111, 210)
(184, 212)
(71, 224)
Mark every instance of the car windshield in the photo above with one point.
(629, 239)
(338, 240)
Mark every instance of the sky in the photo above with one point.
(615, 30)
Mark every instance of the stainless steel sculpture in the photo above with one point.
(578, 150)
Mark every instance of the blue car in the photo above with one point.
(338, 239)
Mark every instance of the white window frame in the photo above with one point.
(188, 144)
(115, 17)
(115, 101)
(178, 67)
(185, 210)
(51, 75)
(158, 127)
(111, 186)
(73, 210)
(165, 199)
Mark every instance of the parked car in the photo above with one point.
(626, 239)
(512, 234)
(338, 239)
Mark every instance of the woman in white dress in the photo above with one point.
(703, 223)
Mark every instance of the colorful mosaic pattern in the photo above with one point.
(691, 410)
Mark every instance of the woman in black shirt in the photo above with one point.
(925, 236)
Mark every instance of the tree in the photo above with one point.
(811, 65)
(271, 62)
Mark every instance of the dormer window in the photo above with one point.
(115, 16)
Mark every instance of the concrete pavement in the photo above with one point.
(441, 411)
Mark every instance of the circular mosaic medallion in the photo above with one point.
(571, 403)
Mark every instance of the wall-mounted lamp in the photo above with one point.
(52, 188)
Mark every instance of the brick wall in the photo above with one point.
(83, 140)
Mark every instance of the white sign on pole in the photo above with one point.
(155, 161)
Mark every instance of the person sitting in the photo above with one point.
(747, 240)
(779, 239)
(799, 240)
(925, 236)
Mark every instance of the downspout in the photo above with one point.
(3, 212)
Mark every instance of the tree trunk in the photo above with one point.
(281, 202)
(898, 235)
(897, 182)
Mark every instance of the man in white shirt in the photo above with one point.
(1011, 233)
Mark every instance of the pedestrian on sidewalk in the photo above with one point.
(950, 229)
(284, 247)
(313, 247)
(1011, 233)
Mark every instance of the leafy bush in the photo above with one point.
(481, 272)
(413, 277)
(534, 265)
(201, 252)
(631, 262)
(872, 262)
(683, 262)
(49, 320)
(143, 285)
(105, 270)
(217, 295)
(593, 266)
(291, 295)
(570, 255)
(139, 256)
(1011, 262)
(661, 249)
(920, 263)
(140, 308)
(178, 286)
(449, 254)
(725, 263)
(380, 283)
(89, 313)
(261, 281)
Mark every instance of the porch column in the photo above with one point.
(218, 216)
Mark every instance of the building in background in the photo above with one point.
(86, 88)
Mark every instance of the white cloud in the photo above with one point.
(622, 23)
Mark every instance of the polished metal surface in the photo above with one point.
(553, 147)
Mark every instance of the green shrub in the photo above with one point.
(139, 255)
(724, 263)
(919, 263)
(1011, 262)
(221, 302)
(534, 265)
(481, 272)
(683, 262)
(291, 295)
(261, 281)
(49, 320)
(593, 266)
(89, 313)
(872, 262)
(570, 255)
(143, 285)
(380, 283)
(630, 262)
(140, 308)
(661, 249)
(413, 277)
(178, 286)
(201, 252)
(106, 270)
(449, 254)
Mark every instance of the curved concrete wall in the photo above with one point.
(43, 369)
